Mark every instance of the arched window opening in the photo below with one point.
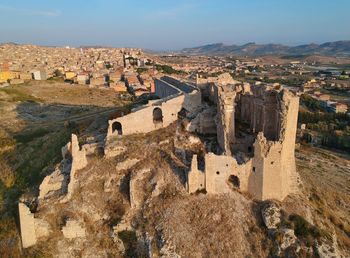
(234, 180)
(157, 115)
(116, 126)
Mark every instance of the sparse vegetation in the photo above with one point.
(29, 151)
(30, 135)
(168, 69)
(17, 95)
(129, 239)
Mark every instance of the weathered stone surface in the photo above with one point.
(127, 164)
(271, 215)
(66, 150)
(256, 131)
(73, 229)
(114, 150)
(42, 228)
(91, 147)
(328, 248)
(79, 161)
(110, 183)
(137, 192)
(194, 140)
(288, 238)
(142, 120)
(53, 182)
(27, 224)
(196, 178)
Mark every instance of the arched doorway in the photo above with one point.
(157, 116)
(116, 126)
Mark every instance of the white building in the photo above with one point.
(40, 75)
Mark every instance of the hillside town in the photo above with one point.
(131, 70)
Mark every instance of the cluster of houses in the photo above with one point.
(330, 106)
(96, 67)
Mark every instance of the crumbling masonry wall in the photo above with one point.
(258, 123)
(79, 161)
(196, 178)
(26, 219)
(32, 229)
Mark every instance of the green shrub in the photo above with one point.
(304, 229)
(129, 239)
(30, 135)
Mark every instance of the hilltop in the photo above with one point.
(337, 48)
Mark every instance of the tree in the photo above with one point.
(57, 73)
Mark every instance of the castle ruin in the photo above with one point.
(256, 131)
(255, 127)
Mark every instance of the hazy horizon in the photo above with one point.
(169, 50)
(173, 25)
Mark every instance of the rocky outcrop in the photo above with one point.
(326, 248)
(127, 164)
(287, 239)
(73, 229)
(113, 149)
(137, 192)
(51, 183)
(271, 215)
(42, 228)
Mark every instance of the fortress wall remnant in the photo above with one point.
(219, 168)
(26, 219)
(79, 161)
(143, 120)
(196, 178)
(288, 150)
(226, 118)
(265, 181)
(182, 86)
(264, 119)
(207, 123)
(164, 89)
(192, 101)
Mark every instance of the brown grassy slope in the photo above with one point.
(326, 178)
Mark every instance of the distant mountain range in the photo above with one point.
(338, 48)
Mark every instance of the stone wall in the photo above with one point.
(142, 120)
(258, 155)
(32, 229)
(26, 219)
(196, 178)
(180, 85)
(164, 89)
(219, 168)
(79, 161)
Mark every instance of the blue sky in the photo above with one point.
(173, 24)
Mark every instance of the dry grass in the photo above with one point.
(63, 93)
(326, 178)
(31, 137)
